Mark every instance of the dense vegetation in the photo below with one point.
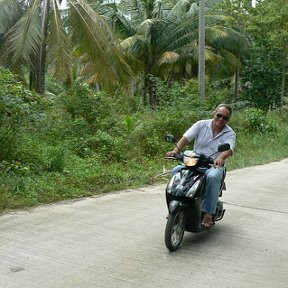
(88, 131)
(83, 142)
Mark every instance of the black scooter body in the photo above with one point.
(189, 207)
(177, 201)
(184, 192)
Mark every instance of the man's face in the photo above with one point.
(221, 117)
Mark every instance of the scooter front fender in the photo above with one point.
(174, 206)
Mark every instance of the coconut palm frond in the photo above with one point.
(10, 12)
(212, 3)
(214, 19)
(168, 57)
(191, 48)
(215, 33)
(118, 20)
(178, 34)
(96, 39)
(179, 9)
(228, 39)
(25, 37)
(158, 9)
(179, 39)
(146, 25)
(123, 25)
(193, 10)
(211, 56)
(132, 42)
(59, 46)
(226, 67)
(136, 46)
(236, 42)
(136, 9)
(230, 59)
(129, 42)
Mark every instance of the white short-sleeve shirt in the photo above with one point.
(205, 142)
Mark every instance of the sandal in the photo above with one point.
(207, 221)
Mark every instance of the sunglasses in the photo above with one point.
(219, 116)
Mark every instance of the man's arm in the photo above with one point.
(219, 161)
(179, 146)
(231, 139)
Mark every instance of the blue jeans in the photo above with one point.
(213, 183)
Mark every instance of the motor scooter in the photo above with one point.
(184, 192)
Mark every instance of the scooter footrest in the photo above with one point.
(219, 217)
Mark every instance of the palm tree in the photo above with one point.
(201, 69)
(35, 36)
(165, 42)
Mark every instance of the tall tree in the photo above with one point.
(238, 12)
(33, 30)
(201, 62)
(165, 42)
(268, 26)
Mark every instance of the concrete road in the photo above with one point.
(116, 240)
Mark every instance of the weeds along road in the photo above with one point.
(116, 240)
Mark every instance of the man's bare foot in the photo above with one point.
(207, 220)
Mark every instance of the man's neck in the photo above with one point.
(215, 129)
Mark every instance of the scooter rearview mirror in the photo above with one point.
(170, 138)
(223, 147)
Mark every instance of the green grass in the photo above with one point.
(82, 143)
(84, 177)
(258, 149)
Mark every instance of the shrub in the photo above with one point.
(18, 108)
(55, 159)
(256, 120)
(144, 140)
(14, 168)
(104, 147)
(96, 108)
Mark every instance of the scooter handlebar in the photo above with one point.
(171, 158)
(174, 157)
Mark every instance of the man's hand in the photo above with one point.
(170, 154)
(219, 161)
(179, 146)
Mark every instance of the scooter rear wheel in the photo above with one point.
(174, 230)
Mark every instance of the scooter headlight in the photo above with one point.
(190, 158)
(192, 191)
(190, 162)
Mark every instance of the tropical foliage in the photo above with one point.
(165, 43)
(156, 43)
(83, 142)
(269, 56)
(35, 37)
(114, 78)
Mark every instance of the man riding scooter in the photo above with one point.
(207, 136)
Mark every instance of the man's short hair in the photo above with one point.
(228, 107)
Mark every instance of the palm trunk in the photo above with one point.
(37, 72)
(150, 89)
(283, 83)
(145, 89)
(237, 83)
(201, 60)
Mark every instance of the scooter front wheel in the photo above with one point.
(174, 230)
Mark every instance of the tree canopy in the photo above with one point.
(136, 43)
